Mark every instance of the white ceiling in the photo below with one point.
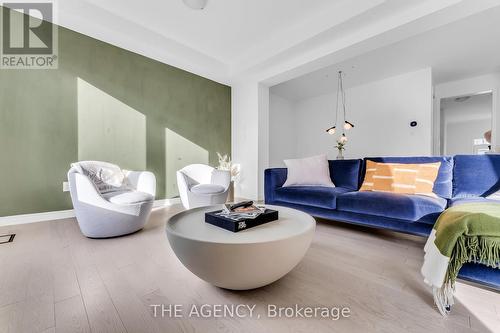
(212, 42)
(457, 50)
(232, 39)
(268, 41)
(226, 29)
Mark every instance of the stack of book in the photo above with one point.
(241, 216)
(240, 213)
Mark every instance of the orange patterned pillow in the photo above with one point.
(371, 167)
(401, 178)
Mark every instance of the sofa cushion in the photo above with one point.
(460, 201)
(127, 197)
(207, 189)
(393, 205)
(468, 183)
(443, 184)
(345, 173)
(316, 196)
(308, 171)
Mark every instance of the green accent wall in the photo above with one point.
(132, 101)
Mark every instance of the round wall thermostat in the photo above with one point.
(413, 124)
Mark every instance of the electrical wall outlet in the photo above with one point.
(65, 187)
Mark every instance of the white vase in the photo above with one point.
(340, 156)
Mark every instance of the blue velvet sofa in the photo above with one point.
(461, 179)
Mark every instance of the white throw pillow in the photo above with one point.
(308, 171)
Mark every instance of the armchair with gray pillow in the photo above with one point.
(109, 201)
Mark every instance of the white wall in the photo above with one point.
(381, 112)
(263, 137)
(244, 137)
(282, 131)
(463, 122)
(476, 84)
(460, 135)
(250, 137)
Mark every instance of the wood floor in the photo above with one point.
(52, 279)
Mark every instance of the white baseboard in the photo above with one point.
(36, 217)
(64, 214)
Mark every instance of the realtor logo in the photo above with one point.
(29, 39)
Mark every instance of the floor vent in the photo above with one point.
(4, 239)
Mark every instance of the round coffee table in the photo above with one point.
(247, 259)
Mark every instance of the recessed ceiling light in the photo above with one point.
(195, 4)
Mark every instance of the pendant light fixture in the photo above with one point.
(340, 98)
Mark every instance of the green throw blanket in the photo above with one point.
(462, 234)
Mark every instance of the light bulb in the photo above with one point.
(348, 125)
(331, 130)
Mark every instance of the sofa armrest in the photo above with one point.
(143, 181)
(273, 179)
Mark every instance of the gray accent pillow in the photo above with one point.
(106, 177)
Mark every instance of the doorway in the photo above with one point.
(466, 124)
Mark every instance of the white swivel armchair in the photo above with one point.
(103, 210)
(201, 185)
